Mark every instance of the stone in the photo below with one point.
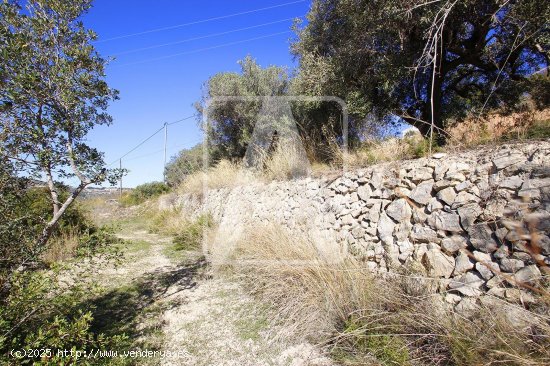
(439, 155)
(447, 195)
(468, 214)
(374, 212)
(419, 216)
(516, 295)
(402, 230)
(528, 275)
(364, 192)
(420, 174)
(487, 269)
(376, 179)
(447, 221)
(438, 264)
(468, 284)
(464, 197)
(399, 210)
(463, 264)
(459, 177)
(467, 305)
(513, 182)
(385, 227)
(507, 159)
(434, 205)
(529, 191)
(453, 243)
(453, 298)
(423, 234)
(511, 265)
(442, 184)
(422, 194)
(481, 238)
(462, 186)
(347, 219)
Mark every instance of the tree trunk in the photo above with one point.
(50, 226)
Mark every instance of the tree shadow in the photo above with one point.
(132, 309)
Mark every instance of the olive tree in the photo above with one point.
(52, 93)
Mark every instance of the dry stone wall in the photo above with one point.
(477, 221)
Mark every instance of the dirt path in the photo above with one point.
(170, 301)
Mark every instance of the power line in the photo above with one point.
(202, 49)
(203, 37)
(150, 137)
(199, 21)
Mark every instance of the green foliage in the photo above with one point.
(232, 123)
(372, 55)
(39, 314)
(143, 192)
(52, 94)
(362, 342)
(186, 162)
(191, 235)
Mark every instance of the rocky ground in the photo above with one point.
(171, 301)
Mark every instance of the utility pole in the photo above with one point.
(165, 141)
(120, 166)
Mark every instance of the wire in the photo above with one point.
(198, 21)
(202, 49)
(150, 137)
(203, 37)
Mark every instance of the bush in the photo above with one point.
(185, 163)
(191, 235)
(144, 192)
(40, 314)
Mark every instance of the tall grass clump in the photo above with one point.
(365, 320)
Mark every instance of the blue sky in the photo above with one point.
(160, 84)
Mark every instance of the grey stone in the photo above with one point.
(513, 182)
(487, 269)
(434, 205)
(468, 284)
(462, 186)
(439, 155)
(402, 230)
(511, 265)
(453, 243)
(364, 192)
(374, 212)
(468, 214)
(463, 263)
(438, 264)
(442, 184)
(453, 298)
(376, 180)
(445, 221)
(447, 195)
(528, 275)
(420, 174)
(419, 216)
(467, 305)
(422, 193)
(507, 159)
(423, 234)
(481, 238)
(385, 227)
(347, 219)
(399, 210)
(529, 191)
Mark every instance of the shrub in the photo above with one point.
(144, 192)
(40, 314)
(191, 235)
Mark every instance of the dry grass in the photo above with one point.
(495, 128)
(225, 174)
(62, 247)
(364, 320)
